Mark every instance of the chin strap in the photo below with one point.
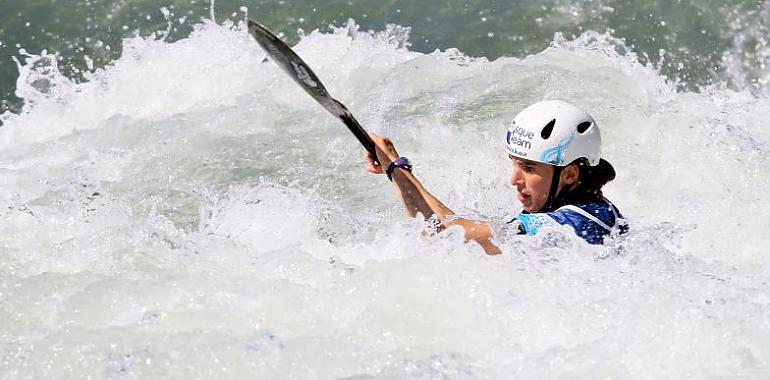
(550, 203)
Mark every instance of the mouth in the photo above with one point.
(522, 196)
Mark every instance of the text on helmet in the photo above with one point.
(519, 136)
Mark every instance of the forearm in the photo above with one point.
(417, 199)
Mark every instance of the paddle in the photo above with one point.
(290, 62)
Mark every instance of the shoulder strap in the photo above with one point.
(587, 215)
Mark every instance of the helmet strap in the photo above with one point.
(550, 203)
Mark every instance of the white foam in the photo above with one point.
(189, 210)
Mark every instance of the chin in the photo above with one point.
(532, 207)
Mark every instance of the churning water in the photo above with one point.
(188, 212)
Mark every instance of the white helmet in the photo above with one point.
(554, 132)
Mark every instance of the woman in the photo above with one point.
(558, 172)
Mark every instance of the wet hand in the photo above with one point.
(386, 153)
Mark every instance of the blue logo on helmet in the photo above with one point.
(553, 155)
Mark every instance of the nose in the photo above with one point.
(516, 177)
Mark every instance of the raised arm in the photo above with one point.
(419, 200)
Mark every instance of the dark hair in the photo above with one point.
(594, 177)
(591, 179)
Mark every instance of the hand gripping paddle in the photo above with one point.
(290, 62)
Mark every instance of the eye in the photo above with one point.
(583, 127)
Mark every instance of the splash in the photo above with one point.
(189, 212)
(747, 62)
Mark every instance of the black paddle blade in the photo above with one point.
(293, 65)
(288, 60)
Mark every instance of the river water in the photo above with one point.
(177, 208)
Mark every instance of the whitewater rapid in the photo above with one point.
(188, 212)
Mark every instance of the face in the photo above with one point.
(532, 181)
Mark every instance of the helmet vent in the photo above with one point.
(547, 130)
(583, 127)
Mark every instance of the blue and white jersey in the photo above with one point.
(591, 221)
